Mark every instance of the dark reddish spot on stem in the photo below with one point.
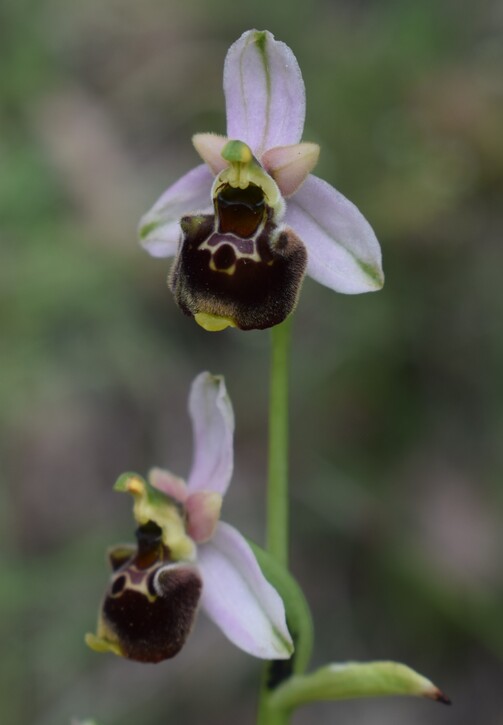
(440, 697)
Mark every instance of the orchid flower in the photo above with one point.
(247, 224)
(185, 556)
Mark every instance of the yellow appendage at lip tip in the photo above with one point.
(213, 323)
(100, 644)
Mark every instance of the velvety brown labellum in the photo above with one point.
(151, 601)
(238, 263)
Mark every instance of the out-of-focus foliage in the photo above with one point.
(397, 397)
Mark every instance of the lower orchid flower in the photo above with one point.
(249, 223)
(186, 557)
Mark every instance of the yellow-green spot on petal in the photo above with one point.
(146, 229)
(153, 505)
(260, 37)
(373, 272)
(213, 323)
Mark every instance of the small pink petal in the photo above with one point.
(159, 228)
(291, 165)
(213, 423)
(209, 147)
(168, 483)
(203, 512)
(239, 599)
(264, 92)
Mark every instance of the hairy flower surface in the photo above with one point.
(248, 223)
(186, 557)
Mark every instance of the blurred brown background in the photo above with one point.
(396, 405)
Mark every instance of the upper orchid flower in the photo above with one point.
(242, 263)
(184, 556)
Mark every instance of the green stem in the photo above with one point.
(277, 490)
(266, 714)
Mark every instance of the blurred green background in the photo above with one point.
(397, 460)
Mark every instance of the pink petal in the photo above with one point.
(342, 250)
(213, 423)
(264, 92)
(159, 228)
(239, 599)
(168, 483)
(291, 165)
(203, 511)
(209, 146)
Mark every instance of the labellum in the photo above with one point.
(151, 601)
(239, 267)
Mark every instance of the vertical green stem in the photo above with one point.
(277, 489)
